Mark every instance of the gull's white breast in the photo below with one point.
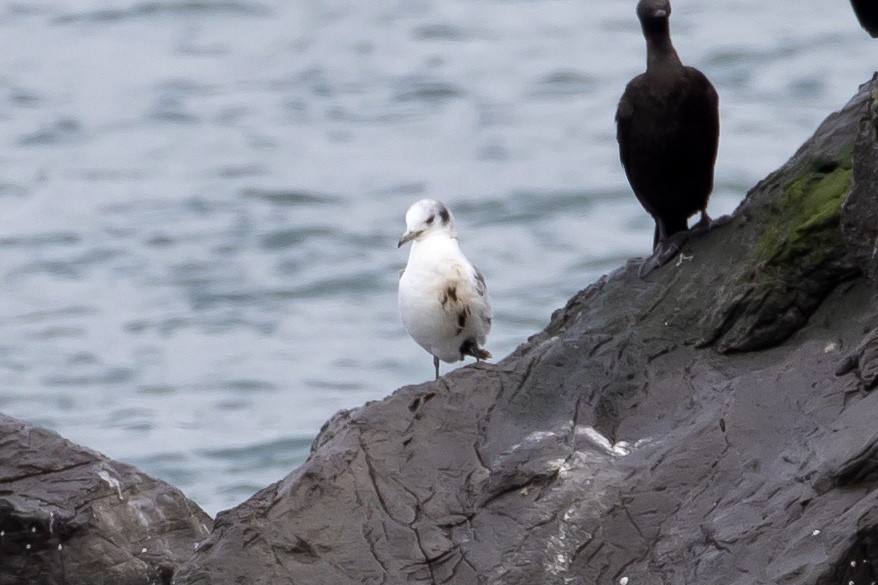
(438, 291)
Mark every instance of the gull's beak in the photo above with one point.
(407, 237)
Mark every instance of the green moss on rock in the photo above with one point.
(798, 258)
(803, 225)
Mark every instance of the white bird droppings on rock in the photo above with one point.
(620, 448)
(111, 481)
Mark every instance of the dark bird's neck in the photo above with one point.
(660, 53)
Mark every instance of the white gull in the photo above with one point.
(443, 300)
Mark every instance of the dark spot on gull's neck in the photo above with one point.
(443, 213)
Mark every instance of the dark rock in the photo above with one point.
(69, 515)
(639, 439)
(860, 211)
(863, 361)
(786, 233)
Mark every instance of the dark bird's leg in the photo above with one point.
(705, 223)
(436, 365)
(666, 246)
(660, 235)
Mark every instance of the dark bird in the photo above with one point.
(667, 126)
(867, 13)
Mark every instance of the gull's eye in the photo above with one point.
(430, 219)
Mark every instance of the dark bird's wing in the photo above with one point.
(867, 14)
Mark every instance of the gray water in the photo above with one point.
(200, 200)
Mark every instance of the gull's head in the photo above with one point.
(427, 217)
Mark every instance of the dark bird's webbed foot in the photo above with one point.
(664, 252)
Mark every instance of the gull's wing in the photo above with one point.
(485, 310)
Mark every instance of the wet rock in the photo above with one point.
(863, 361)
(711, 423)
(860, 211)
(792, 253)
(69, 515)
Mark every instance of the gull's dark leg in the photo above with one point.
(436, 365)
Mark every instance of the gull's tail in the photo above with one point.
(470, 347)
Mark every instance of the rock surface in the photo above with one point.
(69, 515)
(860, 211)
(712, 423)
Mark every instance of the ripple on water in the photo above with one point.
(76, 267)
(243, 170)
(24, 97)
(57, 332)
(136, 419)
(203, 299)
(248, 386)
(179, 468)
(289, 197)
(112, 376)
(412, 189)
(82, 357)
(327, 237)
(157, 389)
(808, 86)
(64, 130)
(285, 453)
(439, 32)
(172, 110)
(159, 240)
(742, 62)
(526, 207)
(333, 385)
(8, 189)
(350, 285)
(40, 240)
(422, 88)
(164, 327)
(69, 312)
(565, 83)
(289, 238)
(181, 8)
